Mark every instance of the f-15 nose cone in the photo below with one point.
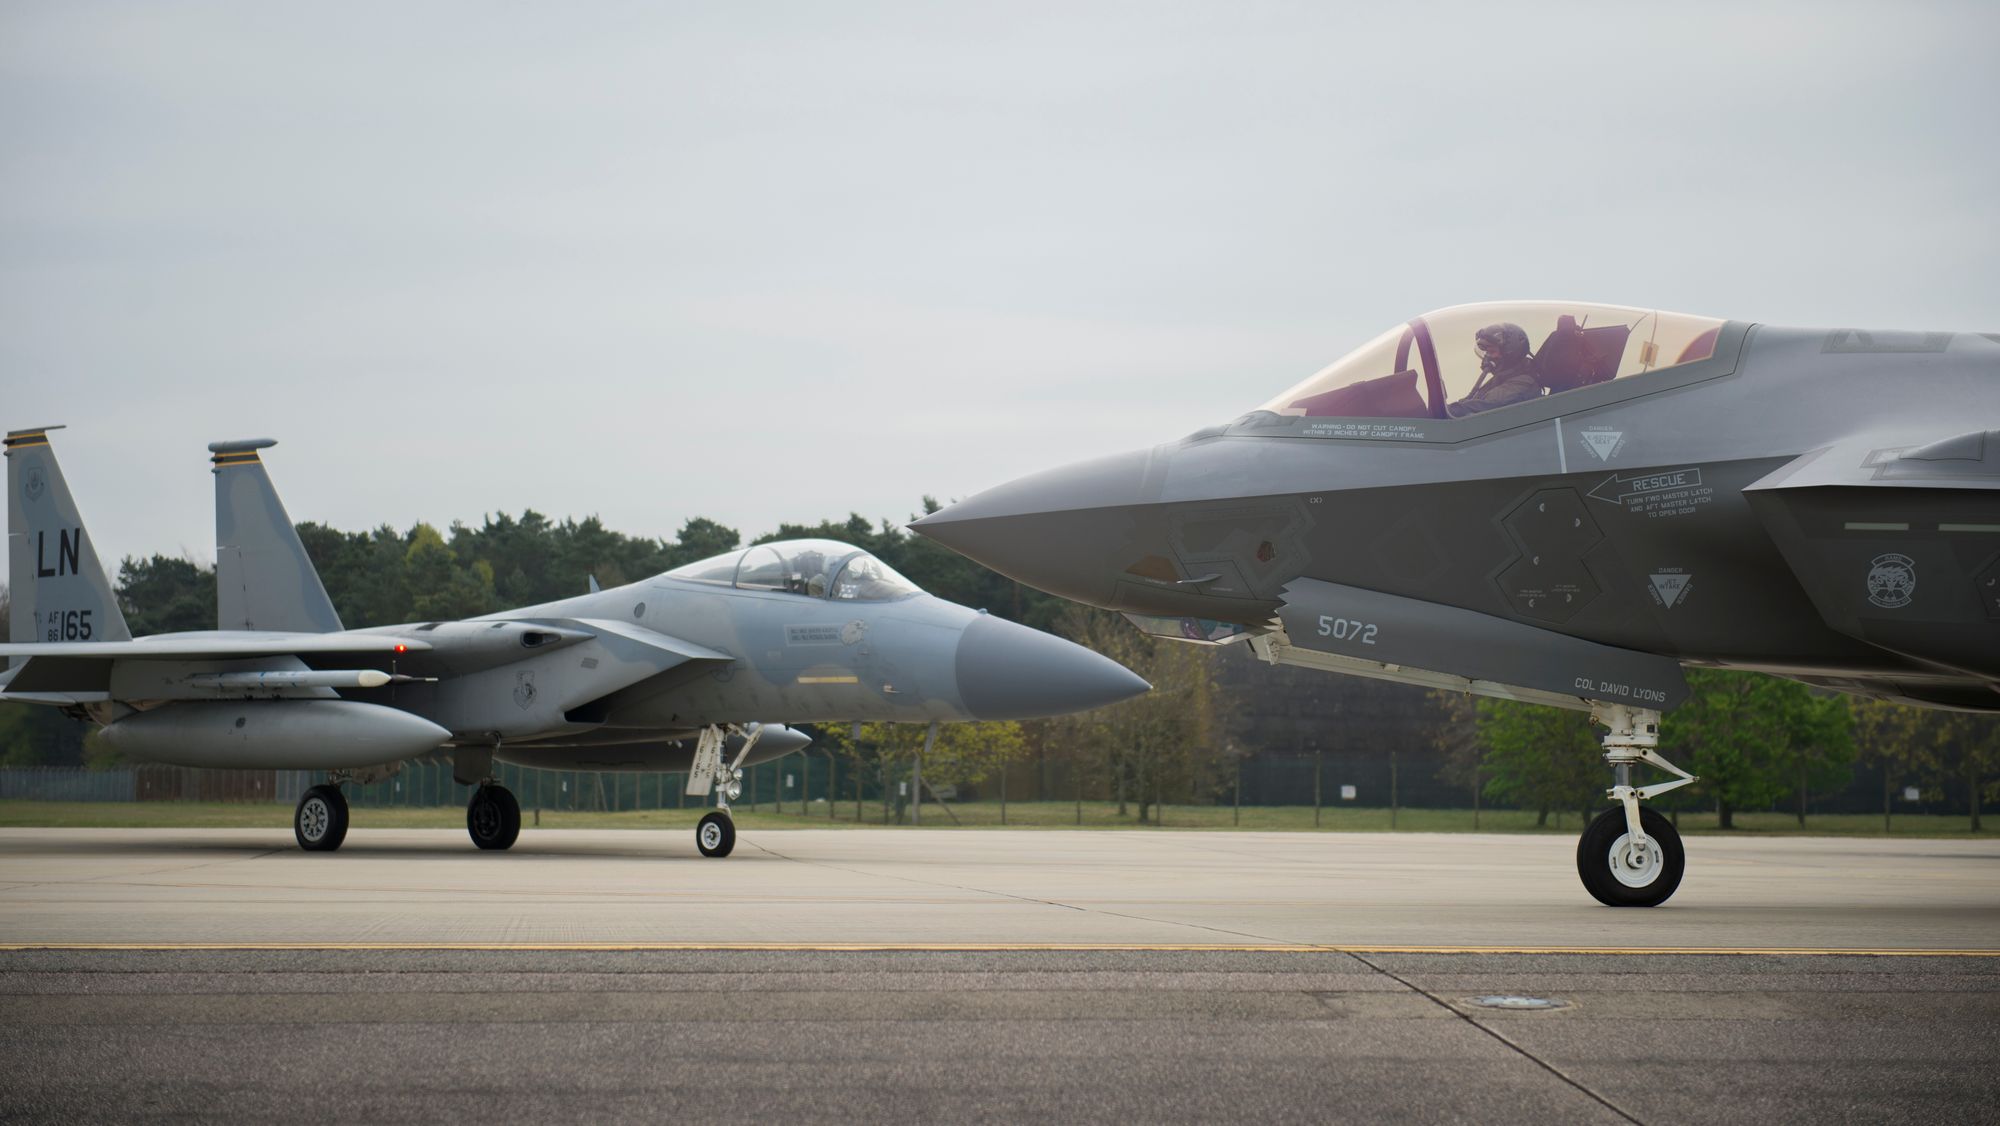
(1008, 671)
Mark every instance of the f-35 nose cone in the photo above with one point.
(1008, 671)
(1067, 531)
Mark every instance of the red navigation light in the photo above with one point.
(402, 648)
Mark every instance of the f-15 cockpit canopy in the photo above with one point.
(1469, 359)
(814, 568)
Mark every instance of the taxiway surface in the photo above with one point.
(430, 887)
(989, 976)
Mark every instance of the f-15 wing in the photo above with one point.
(219, 646)
(193, 666)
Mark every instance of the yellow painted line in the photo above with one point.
(829, 680)
(1133, 947)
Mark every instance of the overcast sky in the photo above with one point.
(769, 262)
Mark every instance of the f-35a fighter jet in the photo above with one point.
(665, 674)
(1566, 503)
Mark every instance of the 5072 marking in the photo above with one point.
(1346, 629)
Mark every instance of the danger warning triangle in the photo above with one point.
(1670, 588)
(1603, 443)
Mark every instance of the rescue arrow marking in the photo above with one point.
(1617, 490)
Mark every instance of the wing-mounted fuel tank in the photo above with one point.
(274, 734)
(1388, 637)
(1897, 545)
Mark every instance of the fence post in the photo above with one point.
(1392, 790)
(1319, 757)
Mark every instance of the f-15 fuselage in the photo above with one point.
(667, 674)
(794, 632)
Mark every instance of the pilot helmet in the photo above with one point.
(1500, 346)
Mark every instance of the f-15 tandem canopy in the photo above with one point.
(817, 568)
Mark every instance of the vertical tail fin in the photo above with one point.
(263, 578)
(58, 588)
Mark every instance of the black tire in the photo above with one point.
(319, 821)
(493, 818)
(715, 835)
(1607, 878)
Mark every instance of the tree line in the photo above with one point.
(1757, 742)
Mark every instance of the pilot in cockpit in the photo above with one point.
(804, 564)
(1507, 373)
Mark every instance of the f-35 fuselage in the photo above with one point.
(1816, 504)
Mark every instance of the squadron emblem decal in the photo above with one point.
(524, 689)
(1892, 581)
(34, 483)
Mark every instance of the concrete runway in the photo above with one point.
(616, 976)
(994, 887)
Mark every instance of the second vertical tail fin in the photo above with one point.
(263, 578)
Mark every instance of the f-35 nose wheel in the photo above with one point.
(1631, 856)
(493, 817)
(320, 820)
(1622, 873)
(716, 834)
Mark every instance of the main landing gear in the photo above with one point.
(1628, 856)
(320, 819)
(715, 835)
(493, 817)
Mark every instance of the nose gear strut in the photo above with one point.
(716, 834)
(1630, 857)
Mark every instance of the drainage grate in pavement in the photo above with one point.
(1517, 1002)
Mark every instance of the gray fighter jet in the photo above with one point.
(665, 674)
(1565, 503)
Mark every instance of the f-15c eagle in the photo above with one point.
(698, 670)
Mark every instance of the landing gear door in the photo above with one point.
(1478, 652)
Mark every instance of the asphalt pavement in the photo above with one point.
(986, 976)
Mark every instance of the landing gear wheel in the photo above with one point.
(715, 835)
(493, 817)
(1621, 876)
(320, 821)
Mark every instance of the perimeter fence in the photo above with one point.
(817, 782)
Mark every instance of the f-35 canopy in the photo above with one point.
(1469, 359)
(815, 568)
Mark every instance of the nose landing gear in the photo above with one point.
(716, 834)
(1629, 856)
